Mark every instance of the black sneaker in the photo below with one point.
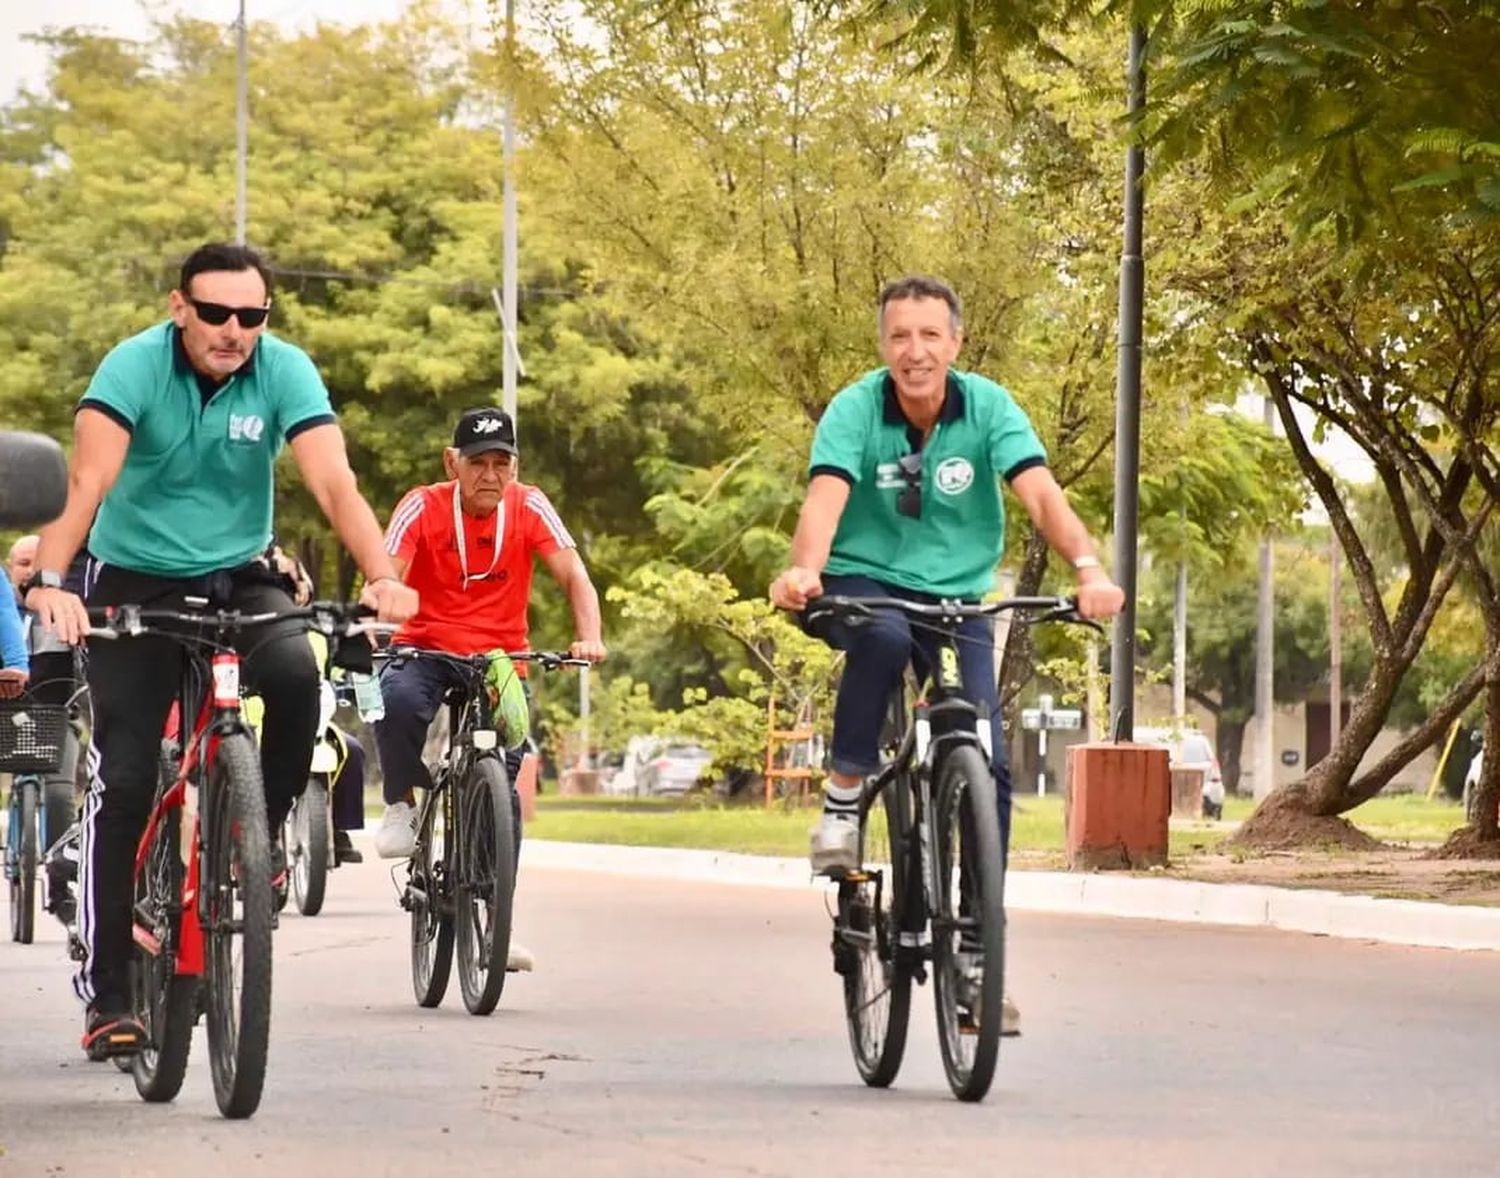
(107, 1034)
(344, 850)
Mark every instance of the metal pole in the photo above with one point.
(1265, 637)
(1335, 640)
(241, 123)
(1128, 407)
(1179, 645)
(508, 273)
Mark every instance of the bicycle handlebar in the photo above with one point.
(859, 609)
(548, 660)
(331, 618)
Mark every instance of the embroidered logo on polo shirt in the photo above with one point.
(953, 476)
(247, 428)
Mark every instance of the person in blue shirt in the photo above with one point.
(15, 663)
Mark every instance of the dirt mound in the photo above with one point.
(1465, 843)
(1284, 829)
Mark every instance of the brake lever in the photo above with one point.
(1069, 615)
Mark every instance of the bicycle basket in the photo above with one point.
(31, 736)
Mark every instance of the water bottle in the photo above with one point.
(367, 696)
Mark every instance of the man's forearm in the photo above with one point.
(360, 532)
(60, 540)
(588, 625)
(813, 538)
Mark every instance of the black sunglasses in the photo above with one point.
(217, 314)
(909, 502)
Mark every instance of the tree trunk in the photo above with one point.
(1016, 668)
(1231, 742)
(1487, 791)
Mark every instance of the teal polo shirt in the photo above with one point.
(196, 491)
(952, 548)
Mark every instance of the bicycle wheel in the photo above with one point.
(237, 890)
(307, 847)
(877, 980)
(165, 1002)
(427, 896)
(968, 926)
(22, 860)
(485, 867)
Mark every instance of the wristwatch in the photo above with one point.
(42, 579)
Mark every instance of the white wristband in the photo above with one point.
(1087, 562)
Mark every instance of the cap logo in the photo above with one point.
(488, 425)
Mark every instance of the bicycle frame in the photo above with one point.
(218, 716)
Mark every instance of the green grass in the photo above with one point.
(1036, 828)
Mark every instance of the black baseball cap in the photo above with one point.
(484, 429)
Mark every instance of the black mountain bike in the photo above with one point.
(461, 877)
(931, 885)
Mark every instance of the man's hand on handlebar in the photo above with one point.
(589, 649)
(1099, 598)
(795, 588)
(61, 612)
(392, 600)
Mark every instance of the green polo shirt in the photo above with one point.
(196, 491)
(952, 548)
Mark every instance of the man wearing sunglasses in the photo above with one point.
(904, 501)
(468, 546)
(171, 483)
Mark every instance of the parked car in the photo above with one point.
(673, 768)
(1190, 749)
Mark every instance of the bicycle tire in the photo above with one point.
(24, 863)
(237, 865)
(306, 841)
(165, 1002)
(867, 931)
(968, 934)
(431, 908)
(485, 884)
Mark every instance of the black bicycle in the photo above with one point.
(203, 900)
(461, 876)
(34, 739)
(931, 885)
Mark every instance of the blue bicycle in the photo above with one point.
(34, 741)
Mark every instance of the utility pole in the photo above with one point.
(241, 123)
(508, 261)
(1265, 638)
(1128, 406)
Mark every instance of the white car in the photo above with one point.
(1188, 748)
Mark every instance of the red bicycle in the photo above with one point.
(203, 903)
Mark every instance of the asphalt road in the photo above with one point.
(690, 1029)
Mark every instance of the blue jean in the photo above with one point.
(877, 652)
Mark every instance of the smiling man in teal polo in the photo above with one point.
(903, 500)
(171, 481)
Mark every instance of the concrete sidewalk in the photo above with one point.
(1333, 914)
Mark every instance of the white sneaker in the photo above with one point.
(521, 959)
(396, 836)
(1010, 1017)
(835, 845)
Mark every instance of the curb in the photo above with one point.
(1331, 914)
